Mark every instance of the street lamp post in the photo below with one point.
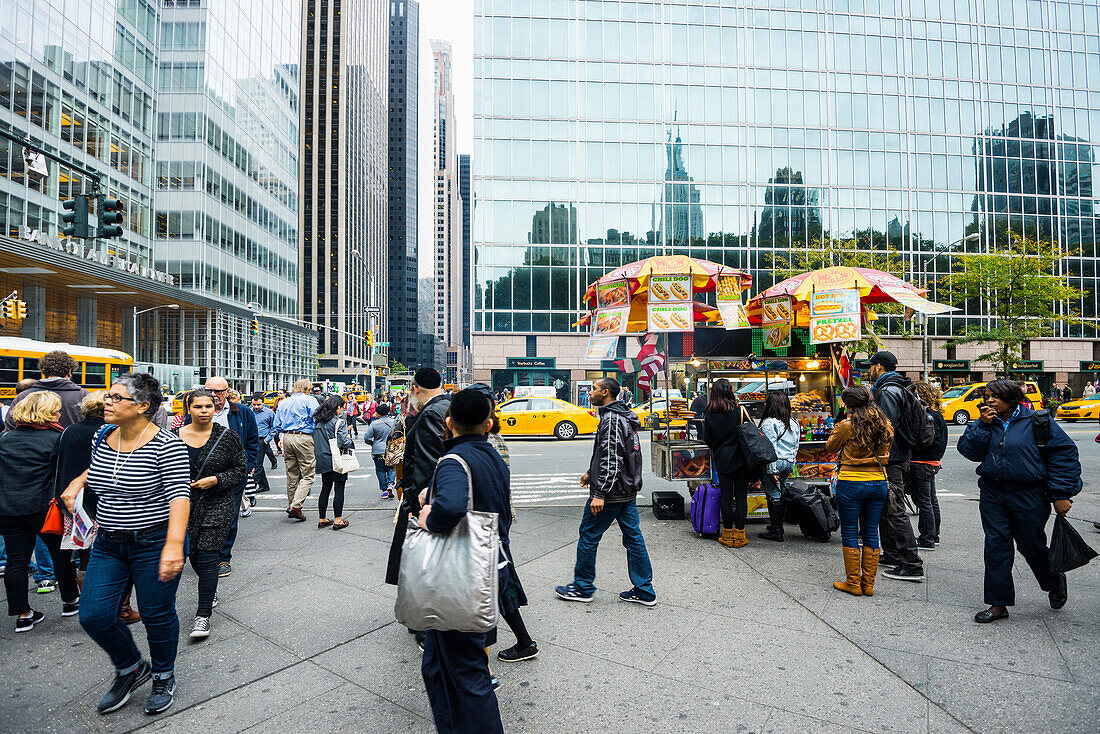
(926, 346)
(173, 306)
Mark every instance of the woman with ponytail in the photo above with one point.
(863, 441)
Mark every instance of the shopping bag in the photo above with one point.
(450, 582)
(1068, 550)
(342, 463)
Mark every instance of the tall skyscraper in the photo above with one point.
(738, 132)
(345, 263)
(403, 167)
(467, 249)
(448, 212)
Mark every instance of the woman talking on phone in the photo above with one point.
(1018, 481)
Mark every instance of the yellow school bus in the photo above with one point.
(97, 367)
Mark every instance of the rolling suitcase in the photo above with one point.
(706, 510)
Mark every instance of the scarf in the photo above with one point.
(51, 426)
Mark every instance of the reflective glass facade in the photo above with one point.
(609, 131)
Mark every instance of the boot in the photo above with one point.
(869, 567)
(775, 522)
(726, 538)
(739, 538)
(852, 571)
(127, 614)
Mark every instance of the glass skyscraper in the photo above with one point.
(608, 131)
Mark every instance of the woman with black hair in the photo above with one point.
(720, 421)
(783, 431)
(1018, 481)
(863, 440)
(328, 423)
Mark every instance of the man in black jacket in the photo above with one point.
(423, 447)
(57, 376)
(614, 478)
(899, 544)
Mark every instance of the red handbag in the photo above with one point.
(54, 524)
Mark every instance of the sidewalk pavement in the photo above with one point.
(751, 640)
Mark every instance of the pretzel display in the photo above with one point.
(690, 464)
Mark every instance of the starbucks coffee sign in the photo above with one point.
(76, 248)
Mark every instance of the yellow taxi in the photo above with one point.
(545, 417)
(657, 406)
(177, 402)
(1080, 410)
(960, 403)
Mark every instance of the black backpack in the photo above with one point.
(914, 429)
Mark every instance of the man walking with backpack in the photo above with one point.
(912, 430)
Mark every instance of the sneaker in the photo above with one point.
(901, 574)
(420, 640)
(926, 546)
(252, 501)
(3, 570)
(515, 654)
(634, 596)
(160, 698)
(25, 624)
(201, 628)
(214, 605)
(123, 686)
(45, 587)
(246, 511)
(570, 592)
(387, 495)
(495, 682)
(71, 608)
(224, 569)
(886, 561)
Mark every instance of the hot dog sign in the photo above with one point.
(670, 317)
(669, 288)
(669, 307)
(834, 316)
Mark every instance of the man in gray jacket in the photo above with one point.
(899, 544)
(57, 377)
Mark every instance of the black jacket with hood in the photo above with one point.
(615, 472)
(887, 390)
(70, 393)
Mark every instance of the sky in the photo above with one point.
(449, 20)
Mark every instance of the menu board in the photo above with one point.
(669, 288)
(778, 336)
(601, 348)
(670, 317)
(729, 289)
(611, 321)
(613, 294)
(835, 316)
(733, 316)
(776, 310)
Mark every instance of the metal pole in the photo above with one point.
(133, 344)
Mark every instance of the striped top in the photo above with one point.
(146, 483)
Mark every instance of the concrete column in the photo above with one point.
(87, 317)
(34, 326)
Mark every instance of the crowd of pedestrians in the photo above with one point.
(157, 496)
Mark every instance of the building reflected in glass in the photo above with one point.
(739, 133)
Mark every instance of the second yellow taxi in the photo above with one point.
(960, 403)
(655, 407)
(1085, 409)
(545, 417)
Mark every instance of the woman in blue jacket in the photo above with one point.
(1018, 481)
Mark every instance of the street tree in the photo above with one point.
(1020, 291)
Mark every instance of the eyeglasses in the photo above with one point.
(216, 391)
(113, 398)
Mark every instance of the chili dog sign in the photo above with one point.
(669, 307)
(834, 316)
(670, 317)
(669, 288)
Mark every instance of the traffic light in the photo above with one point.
(10, 309)
(370, 339)
(20, 309)
(76, 217)
(110, 217)
(255, 327)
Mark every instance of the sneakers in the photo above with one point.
(25, 624)
(224, 569)
(71, 608)
(635, 596)
(160, 698)
(420, 640)
(201, 628)
(902, 574)
(387, 495)
(45, 587)
(570, 592)
(123, 686)
(246, 511)
(3, 570)
(495, 682)
(926, 546)
(515, 654)
(214, 605)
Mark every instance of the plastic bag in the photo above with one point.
(1068, 549)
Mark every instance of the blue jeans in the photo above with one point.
(860, 506)
(111, 566)
(387, 475)
(637, 558)
(43, 564)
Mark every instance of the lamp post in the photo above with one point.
(926, 347)
(173, 306)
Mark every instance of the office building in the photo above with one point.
(345, 273)
(448, 213)
(403, 167)
(606, 132)
(467, 249)
(130, 92)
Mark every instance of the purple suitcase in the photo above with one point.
(705, 510)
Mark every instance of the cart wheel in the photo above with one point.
(962, 418)
(565, 430)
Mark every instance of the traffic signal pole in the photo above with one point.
(55, 158)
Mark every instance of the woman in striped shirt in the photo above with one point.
(141, 475)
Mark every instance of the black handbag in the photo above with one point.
(1068, 550)
(757, 448)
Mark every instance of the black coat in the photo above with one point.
(74, 455)
(721, 435)
(27, 468)
(213, 510)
